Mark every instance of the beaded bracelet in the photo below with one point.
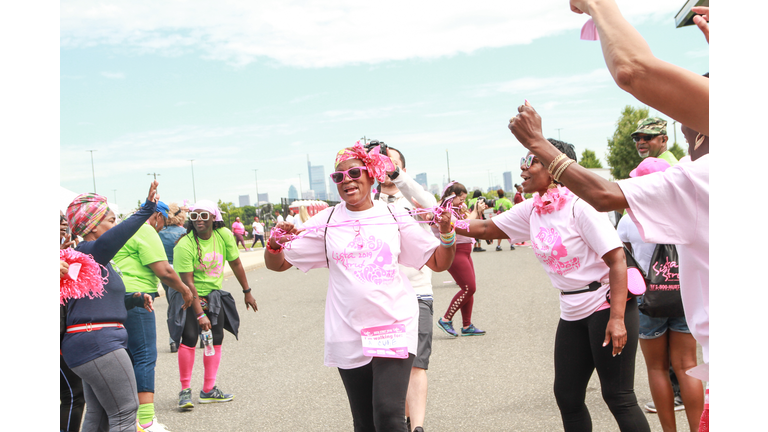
(201, 316)
(274, 251)
(447, 245)
(554, 163)
(562, 168)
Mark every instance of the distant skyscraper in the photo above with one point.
(422, 180)
(317, 181)
(263, 197)
(293, 193)
(245, 200)
(508, 181)
(333, 194)
(308, 195)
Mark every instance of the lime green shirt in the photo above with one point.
(503, 201)
(209, 275)
(133, 259)
(669, 157)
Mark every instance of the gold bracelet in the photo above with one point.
(562, 168)
(554, 163)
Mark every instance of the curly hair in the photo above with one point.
(176, 215)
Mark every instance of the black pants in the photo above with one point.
(72, 399)
(578, 352)
(376, 394)
(257, 237)
(191, 333)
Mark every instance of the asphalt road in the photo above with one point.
(498, 382)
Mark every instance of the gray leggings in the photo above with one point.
(109, 386)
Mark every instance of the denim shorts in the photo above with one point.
(653, 327)
(142, 345)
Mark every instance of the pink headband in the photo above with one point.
(208, 206)
(86, 212)
(377, 164)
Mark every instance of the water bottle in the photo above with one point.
(207, 338)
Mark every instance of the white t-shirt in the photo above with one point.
(672, 207)
(366, 287)
(570, 244)
(280, 218)
(290, 219)
(642, 251)
(258, 228)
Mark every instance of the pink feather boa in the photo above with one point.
(89, 281)
(554, 200)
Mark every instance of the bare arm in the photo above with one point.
(189, 280)
(600, 193)
(615, 331)
(442, 257)
(482, 229)
(678, 93)
(168, 276)
(237, 268)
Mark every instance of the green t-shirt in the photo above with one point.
(669, 157)
(503, 201)
(133, 259)
(219, 248)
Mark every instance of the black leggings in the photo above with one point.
(72, 399)
(578, 352)
(191, 333)
(376, 394)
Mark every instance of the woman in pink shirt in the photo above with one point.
(583, 256)
(238, 229)
(361, 242)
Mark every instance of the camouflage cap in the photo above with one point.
(651, 126)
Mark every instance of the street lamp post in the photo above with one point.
(92, 170)
(194, 194)
(558, 132)
(154, 174)
(115, 191)
(301, 194)
(256, 174)
(447, 161)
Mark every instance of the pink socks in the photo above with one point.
(211, 364)
(186, 363)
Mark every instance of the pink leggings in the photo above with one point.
(463, 272)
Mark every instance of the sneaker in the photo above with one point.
(185, 399)
(155, 426)
(174, 347)
(478, 249)
(215, 395)
(650, 407)
(447, 327)
(418, 429)
(498, 249)
(139, 428)
(511, 247)
(472, 331)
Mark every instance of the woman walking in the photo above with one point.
(95, 344)
(239, 230)
(462, 269)
(583, 256)
(199, 259)
(362, 242)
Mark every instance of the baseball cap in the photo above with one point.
(651, 126)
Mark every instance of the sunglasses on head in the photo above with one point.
(203, 216)
(527, 161)
(353, 173)
(643, 137)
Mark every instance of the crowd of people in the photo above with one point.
(381, 250)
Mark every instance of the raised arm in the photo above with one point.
(678, 93)
(413, 191)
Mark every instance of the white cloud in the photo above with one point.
(325, 33)
(567, 85)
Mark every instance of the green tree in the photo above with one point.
(622, 153)
(677, 151)
(589, 159)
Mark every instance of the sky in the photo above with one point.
(240, 86)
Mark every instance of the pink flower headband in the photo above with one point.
(377, 164)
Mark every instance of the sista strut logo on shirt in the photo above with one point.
(369, 259)
(213, 264)
(549, 248)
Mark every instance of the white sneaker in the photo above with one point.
(156, 426)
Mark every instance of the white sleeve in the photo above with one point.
(516, 222)
(412, 190)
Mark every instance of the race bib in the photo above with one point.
(385, 341)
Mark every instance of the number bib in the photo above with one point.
(385, 341)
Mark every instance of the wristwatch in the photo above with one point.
(395, 173)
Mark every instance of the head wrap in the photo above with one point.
(377, 164)
(208, 206)
(86, 212)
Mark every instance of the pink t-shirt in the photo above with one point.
(238, 228)
(570, 244)
(366, 287)
(672, 207)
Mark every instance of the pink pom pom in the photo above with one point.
(589, 31)
(89, 281)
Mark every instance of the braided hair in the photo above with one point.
(190, 227)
